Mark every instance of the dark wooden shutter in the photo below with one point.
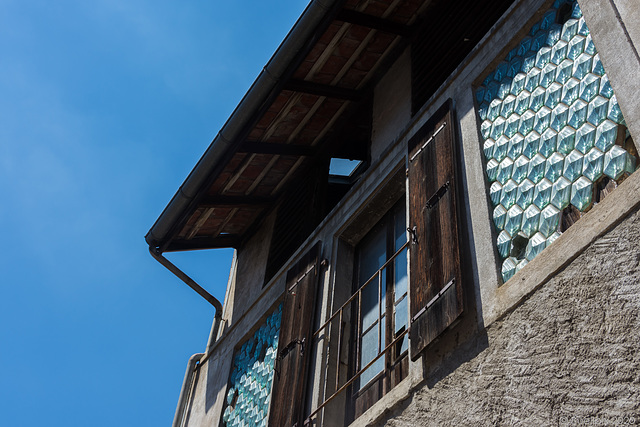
(294, 344)
(435, 277)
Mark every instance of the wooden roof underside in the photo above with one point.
(331, 77)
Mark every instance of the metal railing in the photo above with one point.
(339, 313)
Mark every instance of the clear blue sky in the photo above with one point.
(105, 107)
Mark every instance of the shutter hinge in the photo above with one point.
(414, 234)
(433, 300)
(417, 153)
(300, 279)
(438, 195)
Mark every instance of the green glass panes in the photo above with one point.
(499, 215)
(495, 192)
(553, 168)
(508, 105)
(542, 193)
(589, 87)
(597, 111)
(520, 169)
(548, 75)
(573, 165)
(560, 193)
(592, 165)
(582, 193)
(614, 112)
(504, 244)
(515, 146)
(606, 135)
(549, 220)
(522, 102)
(530, 220)
(614, 162)
(565, 71)
(531, 144)
(566, 140)
(249, 391)
(492, 169)
(570, 91)
(511, 125)
(549, 122)
(508, 268)
(489, 145)
(504, 170)
(501, 147)
(548, 142)
(525, 193)
(509, 193)
(559, 117)
(536, 168)
(577, 112)
(553, 94)
(513, 220)
(536, 244)
(582, 66)
(542, 120)
(537, 98)
(585, 137)
(526, 122)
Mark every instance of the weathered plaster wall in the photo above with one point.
(391, 105)
(570, 350)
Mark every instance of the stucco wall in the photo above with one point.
(570, 350)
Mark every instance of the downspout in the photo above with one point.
(193, 366)
(186, 392)
(193, 285)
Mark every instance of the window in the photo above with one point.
(381, 307)
(554, 138)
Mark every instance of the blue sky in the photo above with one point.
(105, 107)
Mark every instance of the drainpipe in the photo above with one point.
(186, 392)
(157, 254)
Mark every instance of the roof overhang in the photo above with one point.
(323, 69)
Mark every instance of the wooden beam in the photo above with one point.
(322, 90)
(222, 241)
(235, 201)
(276, 149)
(373, 22)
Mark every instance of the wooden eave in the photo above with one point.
(326, 82)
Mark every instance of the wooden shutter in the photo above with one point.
(435, 278)
(294, 343)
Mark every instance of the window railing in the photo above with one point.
(339, 314)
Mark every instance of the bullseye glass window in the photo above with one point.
(554, 138)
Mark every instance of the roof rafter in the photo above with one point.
(374, 22)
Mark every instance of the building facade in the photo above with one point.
(434, 207)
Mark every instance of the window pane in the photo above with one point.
(372, 256)
(400, 228)
(400, 269)
(401, 321)
(369, 351)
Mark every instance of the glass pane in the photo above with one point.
(402, 314)
(400, 228)
(369, 351)
(372, 256)
(400, 269)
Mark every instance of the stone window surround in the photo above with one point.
(494, 300)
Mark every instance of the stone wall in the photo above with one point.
(568, 355)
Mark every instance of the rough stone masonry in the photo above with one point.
(568, 355)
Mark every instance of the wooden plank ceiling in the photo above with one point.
(329, 77)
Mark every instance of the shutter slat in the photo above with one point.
(287, 395)
(435, 276)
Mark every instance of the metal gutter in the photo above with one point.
(268, 80)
